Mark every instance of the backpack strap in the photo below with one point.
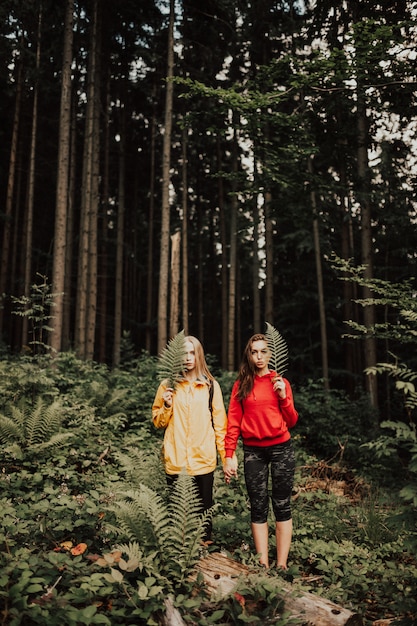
(211, 392)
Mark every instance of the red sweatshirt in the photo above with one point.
(262, 418)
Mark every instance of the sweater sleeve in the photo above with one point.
(234, 420)
(287, 407)
(161, 414)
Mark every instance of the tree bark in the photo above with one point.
(62, 187)
(87, 275)
(31, 181)
(269, 253)
(103, 274)
(233, 258)
(166, 162)
(320, 289)
(8, 211)
(175, 282)
(150, 260)
(185, 306)
(224, 273)
(221, 576)
(256, 266)
(118, 288)
(69, 251)
(366, 245)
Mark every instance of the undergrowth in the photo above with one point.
(78, 522)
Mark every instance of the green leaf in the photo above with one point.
(116, 575)
(278, 348)
(171, 360)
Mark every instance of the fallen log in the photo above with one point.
(221, 576)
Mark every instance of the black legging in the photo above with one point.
(204, 483)
(257, 461)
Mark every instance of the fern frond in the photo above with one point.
(278, 348)
(131, 549)
(42, 421)
(171, 360)
(141, 513)
(10, 430)
(172, 531)
(56, 441)
(187, 525)
(143, 467)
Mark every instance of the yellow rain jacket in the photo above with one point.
(191, 435)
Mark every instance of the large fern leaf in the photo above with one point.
(42, 421)
(171, 531)
(171, 360)
(278, 348)
(187, 524)
(143, 466)
(32, 430)
(10, 430)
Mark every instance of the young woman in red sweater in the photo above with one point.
(262, 411)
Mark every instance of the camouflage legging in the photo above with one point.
(256, 462)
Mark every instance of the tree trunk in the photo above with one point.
(150, 263)
(118, 289)
(256, 265)
(233, 258)
(366, 245)
(224, 275)
(62, 187)
(185, 306)
(69, 250)
(166, 162)
(86, 277)
(31, 181)
(320, 290)
(221, 576)
(93, 225)
(175, 282)
(8, 211)
(352, 348)
(269, 254)
(103, 277)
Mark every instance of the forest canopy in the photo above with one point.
(166, 166)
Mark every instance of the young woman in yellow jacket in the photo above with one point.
(194, 419)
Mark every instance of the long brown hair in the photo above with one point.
(201, 366)
(246, 376)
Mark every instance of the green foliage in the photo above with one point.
(171, 360)
(333, 425)
(30, 431)
(171, 533)
(107, 493)
(258, 600)
(399, 297)
(278, 348)
(37, 308)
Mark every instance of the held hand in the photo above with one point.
(230, 468)
(279, 386)
(167, 396)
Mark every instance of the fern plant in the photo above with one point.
(168, 532)
(29, 431)
(171, 360)
(37, 309)
(279, 349)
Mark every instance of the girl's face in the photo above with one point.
(189, 362)
(260, 355)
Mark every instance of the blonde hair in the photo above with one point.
(201, 366)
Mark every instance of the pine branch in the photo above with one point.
(278, 348)
(171, 360)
